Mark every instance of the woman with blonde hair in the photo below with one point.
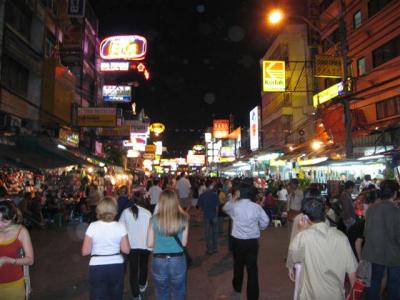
(105, 239)
(169, 263)
(14, 241)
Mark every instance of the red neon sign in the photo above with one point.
(128, 47)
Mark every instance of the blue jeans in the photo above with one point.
(393, 283)
(211, 234)
(169, 275)
(106, 282)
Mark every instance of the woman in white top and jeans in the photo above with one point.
(136, 220)
(105, 239)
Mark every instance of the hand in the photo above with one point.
(292, 275)
(4, 260)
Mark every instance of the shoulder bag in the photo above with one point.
(189, 259)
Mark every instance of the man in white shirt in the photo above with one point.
(248, 219)
(183, 186)
(154, 193)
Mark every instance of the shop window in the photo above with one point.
(357, 19)
(375, 6)
(388, 108)
(361, 68)
(386, 52)
(19, 19)
(14, 76)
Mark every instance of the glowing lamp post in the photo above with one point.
(275, 17)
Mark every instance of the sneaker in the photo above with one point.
(143, 288)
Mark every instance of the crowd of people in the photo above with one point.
(336, 244)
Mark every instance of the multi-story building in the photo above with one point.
(21, 57)
(287, 117)
(373, 43)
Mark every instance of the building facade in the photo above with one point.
(287, 117)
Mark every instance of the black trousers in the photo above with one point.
(138, 267)
(245, 254)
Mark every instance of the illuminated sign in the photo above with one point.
(254, 131)
(151, 148)
(328, 66)
(97, 116)
(132, 153)
(329, 93)
(273, 76)
(159, 147)
(208, 137)
(117, 93)
(68, 137)
(157, 128)
(108, 66)
(221, 129)
(195, 159)
(129, 47)
(198, 148)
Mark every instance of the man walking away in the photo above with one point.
(154, 193)
(248, 219)
(183, 186)
(382, 241)
(208, 202)
(348, 214)
(324, 253)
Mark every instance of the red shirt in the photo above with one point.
(11, 248)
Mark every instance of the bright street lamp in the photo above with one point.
(275, 17)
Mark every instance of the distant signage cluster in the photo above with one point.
(117, 93)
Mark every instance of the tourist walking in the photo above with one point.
(168, 264)
(105, 239)
(348, 213)
(248, 219)
(154, 194)
(136, 219)
(184, 192)
(15, 252)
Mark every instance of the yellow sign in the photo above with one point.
(150, 148)
(328, 66)
(120, 131)
(274, 76)
(157, 128)
(329, 93)
(97, 117)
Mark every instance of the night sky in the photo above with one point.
(203, 57)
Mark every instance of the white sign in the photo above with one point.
(110, 66)
(117, 93)
(159, 147)
(254, 130)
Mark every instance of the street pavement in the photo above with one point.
(60, 272)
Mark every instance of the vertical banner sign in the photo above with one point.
(254, 131)
(273, 76)
(221, 129)
(76, 8)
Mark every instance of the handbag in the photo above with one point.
(189, 259)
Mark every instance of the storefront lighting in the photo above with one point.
(268, 156)
(101, 164)
(291, 148)
(90, 170)
(316, 145)
(59, 146)
(371, 157)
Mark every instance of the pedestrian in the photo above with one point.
(154, 194)
(209, 203)
(348, 213)
(282, 195)
(295, 199)
(168, 264)
(248, 219)
(92, 201)
(136, 220)
(105, 239)
(324, 254)
(123, 201)
(15, 252)
(382, 241)
(184, 192)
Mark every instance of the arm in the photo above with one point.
(87, 246)
(228, 208)
(27, 260)
(124, 245)
(352, 278)
(358, 246)
(263, 218)
(185, 235)
(150, 236)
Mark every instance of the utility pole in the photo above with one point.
(346, 97)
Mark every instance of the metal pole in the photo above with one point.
(346, 98)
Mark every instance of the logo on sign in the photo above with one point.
(129, 47)
(273, 76)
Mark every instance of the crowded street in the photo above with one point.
(200, 150)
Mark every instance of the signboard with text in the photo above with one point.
(328, 66)
(254, 129)
(273, 73)
(128, 47)
(117, 93)
(220, 129)
(97, 117)
(110, 66)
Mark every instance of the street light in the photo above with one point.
(275, 17)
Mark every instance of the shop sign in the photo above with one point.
(159, 147)
(150, 148)
(221, 129)
(208, 137)
(149, 156)
(112, 66)
(157, 128)
(198, 148)
(195, 159)
(330, 93)
(139, 127)
(117, 132)
(274, 76)
(97, 117)
(254, 129)
(117, 93)
(68, 136)
(328, 66)
(128, 47)
(76, 8)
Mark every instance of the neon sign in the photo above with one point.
(114, 66)
(128, 47)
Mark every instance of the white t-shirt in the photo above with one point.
(106, 239)
(183, 186)
(282, 195)
(155, 192)
(137, 229)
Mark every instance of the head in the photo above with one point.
(294, 183)
(349, 186)
(8, 214)
(367, 177)
(170, 217)
(389, 189)
(106, 210)
(314, 209)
